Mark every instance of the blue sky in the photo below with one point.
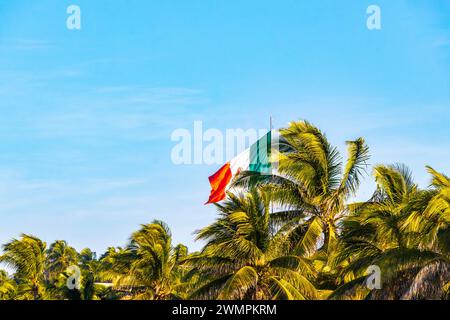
(86, 116)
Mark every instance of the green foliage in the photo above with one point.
(246, 257)
(60, 256)
(294, 235)
(27, 258)
(148, 268)
(8, 287)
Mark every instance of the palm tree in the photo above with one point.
(431, 227)
(8, 287)
(87, 256)
(114, 268)
(27, 258)
(149, 266)
(311, 189)
(90, 268)
(60, 256)
(432, 223)
(382, 232)
(246, 257)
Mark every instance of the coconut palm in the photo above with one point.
(246, 257)
(26, 256)
(91, 270)
(310, 192)
(432, 223)
(311, 185)
(87, 256)
(60, 256)
(8, 287)
(88, 273)
(381, 232)
(431, 228)
(149, 266)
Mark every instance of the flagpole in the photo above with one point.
(270, 130)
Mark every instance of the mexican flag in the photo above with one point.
(261, 157)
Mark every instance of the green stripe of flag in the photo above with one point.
(260, 153)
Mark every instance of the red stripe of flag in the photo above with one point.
(219, 182)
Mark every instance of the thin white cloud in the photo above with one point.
(27, 44)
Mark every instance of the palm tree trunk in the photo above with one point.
(35, 292)
(326, 236)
